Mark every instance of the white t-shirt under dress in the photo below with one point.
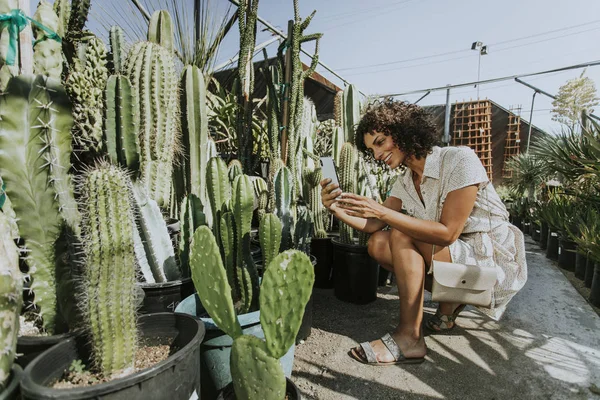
(461, 168)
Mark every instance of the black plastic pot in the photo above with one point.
(535, 232)
(516, 221)
(355, 273)
(595, 289)
(291, 391)
(580, 265)
(552, 246)
(29, 347)
(12, 390)
(589, 273)
(526, 226)
(567, 252)
(176, 378)
(544, 231)
(384, 275)
(322, 249)
(164, 297)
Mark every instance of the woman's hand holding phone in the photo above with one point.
(329, 193)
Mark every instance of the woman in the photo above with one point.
(471, 227)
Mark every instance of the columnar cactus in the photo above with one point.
(62, 8)
(312, 179)
(160, 29)
(35, 149)
(351, 112)
(218, 189)
(234, 169)
(6, 71)
(109, 276)
(151, 70)
(192, 217)
(120, 124)
(269, 234)
(348, 177)
(85, 86)
(117, 53)
(11, 287)
(47, 55)
(283, 187)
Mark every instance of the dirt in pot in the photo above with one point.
(150, 352)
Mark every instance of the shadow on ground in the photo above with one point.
(546, 347)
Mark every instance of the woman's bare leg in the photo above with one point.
(408, 260)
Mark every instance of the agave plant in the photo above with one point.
(529, 172)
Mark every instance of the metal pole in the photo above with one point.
(530, 120)
(286, 94)
(478, 73)
(446, 137)
(197, 27)
(422, 97)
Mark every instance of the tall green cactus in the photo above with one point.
(62, 8)
(195, 133)
(218, 188)
(35, 149)
(348, 177)
(351, 112)
(192, 217)
(47, 55)
(11, 298)
(269, 234)
(6, 71)
(85, 86)
(312, 180)
(160, 29)
(210, 280)
(117, 52)
(151, 70)
(109, 275)
(120, 124)
(234, 169)
(283, 186)
(337, 143)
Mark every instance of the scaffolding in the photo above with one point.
(512, 146)
(473, 128)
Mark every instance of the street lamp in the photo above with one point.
(482, 49)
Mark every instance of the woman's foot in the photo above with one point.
(442, 322)
(410, 348)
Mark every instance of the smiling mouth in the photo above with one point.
(387, 159)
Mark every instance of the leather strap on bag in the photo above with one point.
(438, 216)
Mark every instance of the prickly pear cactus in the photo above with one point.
(35, 149)
(47, 55)
(285, 290)
(256, 374)
(110, 267)
(210, 280)
(11, 287)
(155, 83)
(269, 234)
(85, 86)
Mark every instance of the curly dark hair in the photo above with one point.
(409, 125)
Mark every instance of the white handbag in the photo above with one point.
(461, 283)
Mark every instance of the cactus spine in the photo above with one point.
(348, 176)
(109, 276)
(120, 131)
(160, 29)
(47, 57)
(11, 297)
(151, 70)
(35, 138)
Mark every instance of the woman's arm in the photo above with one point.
(457, 208)
(369, 225)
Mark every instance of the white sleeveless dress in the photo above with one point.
(461, 167)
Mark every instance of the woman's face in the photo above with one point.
(384, 149)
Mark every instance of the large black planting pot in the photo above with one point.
(29, 347)
(292, 392)
(322, 249)
(580, 265)
(355, 273)
(589, 272)
(12, 390)
(595, 289)
(176, 378)
(552, 246)
(567, 250)
(535, 232)
(544, 230)
(165, 296)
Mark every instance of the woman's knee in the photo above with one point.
(398, 238)
(378, 243)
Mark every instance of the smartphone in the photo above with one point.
(328, 170)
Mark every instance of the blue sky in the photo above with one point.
(522, 36)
